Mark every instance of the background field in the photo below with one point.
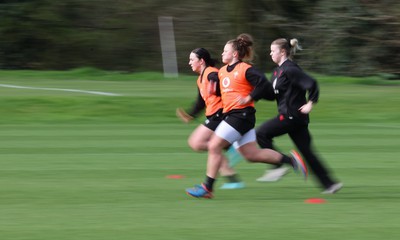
(83, 166)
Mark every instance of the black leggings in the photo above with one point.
(300, 135)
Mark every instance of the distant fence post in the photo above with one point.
(168, 49)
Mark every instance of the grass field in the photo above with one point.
(76, 165)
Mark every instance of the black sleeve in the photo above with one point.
(269, 93)
(259, 81)
(305, 82)
(213, 77)
(198, 106)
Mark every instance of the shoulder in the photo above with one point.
(223, 68)
(245, 68)
(212, 69)
(290, 67)
(289, 64)
(244, 65)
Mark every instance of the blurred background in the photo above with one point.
(79, 165)
(343, 37)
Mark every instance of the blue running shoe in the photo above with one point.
(199, 191)
(232, 185)
(298, 163)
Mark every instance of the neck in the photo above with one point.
(233, 62)
(202, 69)
(282, 61)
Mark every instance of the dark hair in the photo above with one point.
(202, 53)
(244, 45)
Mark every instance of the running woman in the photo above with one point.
(209, 98)
(290, 86)
(241, 84)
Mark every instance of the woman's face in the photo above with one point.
(276, 54)
(228, 55)
(195, 62)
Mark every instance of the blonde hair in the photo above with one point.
(290, 46)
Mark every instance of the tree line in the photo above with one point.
(343, 37)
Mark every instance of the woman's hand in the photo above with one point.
(245, 100)
(183, 115)
(306, 108)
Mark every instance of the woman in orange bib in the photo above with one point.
(209, 98)
(240, 84)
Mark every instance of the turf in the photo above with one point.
(81, 166)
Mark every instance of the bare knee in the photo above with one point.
(216, 145)
(199, 138)
(213, 147)
(197, 145)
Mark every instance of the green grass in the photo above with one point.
(81, 166)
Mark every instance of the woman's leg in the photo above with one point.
(302, 139)
(216, 146)
(270, 129)
(249, 149)
(199, 138)
(265, 133)
(251, 152)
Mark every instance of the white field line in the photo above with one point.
(61, 89)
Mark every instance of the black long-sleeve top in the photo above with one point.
(291, 85)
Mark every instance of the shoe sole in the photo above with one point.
(335, 190)
(266, 179)
(229, 187)
(208, 195)
(300, 161)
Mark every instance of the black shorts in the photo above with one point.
(242, 120)
(214, 120)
